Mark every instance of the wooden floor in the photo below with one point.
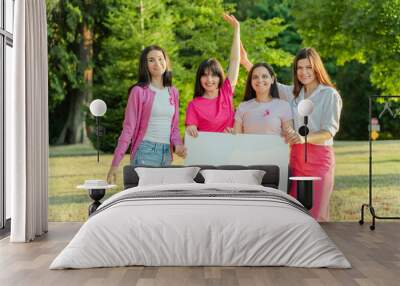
(374, 255)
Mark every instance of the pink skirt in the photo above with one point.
(320, 163)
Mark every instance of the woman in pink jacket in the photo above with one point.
(151, 116)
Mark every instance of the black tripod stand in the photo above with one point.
(370, 205)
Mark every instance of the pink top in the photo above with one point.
(212, 115)
(263, 117)
(137, 116)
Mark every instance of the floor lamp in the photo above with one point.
(97, 108)
(96, 188)
(304, 184)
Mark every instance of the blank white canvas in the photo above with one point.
(211, 148)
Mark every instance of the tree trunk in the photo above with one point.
(86, 58)
(141, 11)
(74, 130)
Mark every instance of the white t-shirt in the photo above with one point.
(162, 111)
(263, 117)
(327, 108)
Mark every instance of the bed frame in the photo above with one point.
(270, 179)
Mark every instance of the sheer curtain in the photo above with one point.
(27, 124)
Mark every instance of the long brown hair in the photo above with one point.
(144, 76)
(318, 68)
(212, 65)
(250, 93)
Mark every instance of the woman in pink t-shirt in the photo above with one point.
(262, 112)
(212, 107)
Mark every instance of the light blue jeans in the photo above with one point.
(152, 154)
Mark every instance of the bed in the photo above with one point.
(198, 224)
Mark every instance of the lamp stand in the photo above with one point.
(303, 131)
(97, 138)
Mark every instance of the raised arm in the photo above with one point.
(234, 62)
(244, 60)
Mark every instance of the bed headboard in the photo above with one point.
(270, 179)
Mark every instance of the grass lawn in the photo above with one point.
(66, 171)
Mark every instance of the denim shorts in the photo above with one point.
(152, 154)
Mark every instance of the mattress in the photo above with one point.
(201, 225)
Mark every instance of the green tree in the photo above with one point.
(287, 40)
(201, 33)
(361, 30)
(131, 26)
(190, 32)
(94, 47)
(354, 87)
(63, 20)
(72, 27)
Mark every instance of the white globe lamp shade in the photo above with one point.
(98, 107)
(305, 107)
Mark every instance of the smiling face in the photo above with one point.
(209, 81)
(261, 80)
(305, 72)
(156, 63)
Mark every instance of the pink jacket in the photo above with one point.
(137, 116)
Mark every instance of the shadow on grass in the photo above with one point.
(385, 160)
(76, 199)
(69, 199)
(350, 153)
(386, 180)
(98, 174)
(365, 161)
(73, 154)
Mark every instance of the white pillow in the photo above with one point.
(249, 177)
(165, 176)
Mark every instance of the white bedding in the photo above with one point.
(183, 231)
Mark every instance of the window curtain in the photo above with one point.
(27, 123)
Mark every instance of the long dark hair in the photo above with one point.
(317, 65)
(250, 93)
(144, 76)
(215, 68)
